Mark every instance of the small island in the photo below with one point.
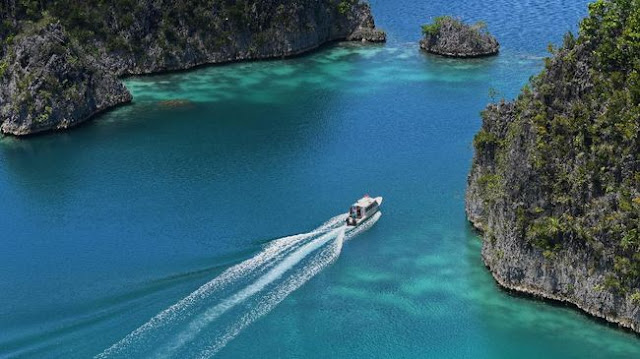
(450, 37)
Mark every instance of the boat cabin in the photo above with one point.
(364, 208)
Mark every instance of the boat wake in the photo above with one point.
(201, 324)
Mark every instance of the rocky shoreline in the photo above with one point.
(535, 292)
(572, 274)
(554, 185)
(54, 78)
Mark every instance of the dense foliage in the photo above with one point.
(434, 27)
(125, 24)
(582, 114)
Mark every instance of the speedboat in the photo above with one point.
(363, 209)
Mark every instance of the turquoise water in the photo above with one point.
(108, 229)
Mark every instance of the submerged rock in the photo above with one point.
(175, 103)
(451, 37)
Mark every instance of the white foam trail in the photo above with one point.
(232, 274)
(363, 227)
(276, 258)
(275, 273)
(274, 298)
(332, 223)
(272, 251)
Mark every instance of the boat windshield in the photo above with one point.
(354, 212)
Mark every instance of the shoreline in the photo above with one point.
(293, 55)
(562, 301)
(94, 74)
(552, 299)
(272, 57)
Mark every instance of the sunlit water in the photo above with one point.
(168, 228)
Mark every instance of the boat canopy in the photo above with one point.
(364, 202)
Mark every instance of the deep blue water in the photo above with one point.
(109, 225)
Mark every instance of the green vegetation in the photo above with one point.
(484, 140)
(615, 27)
(546, 232)
(125, 25)
(3, 67)
(433, 28)
(345, 6)
(578, 126)
(44, 116)
(491, 186)
(612, 283)
(129, 26)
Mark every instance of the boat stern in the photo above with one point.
(362, 210)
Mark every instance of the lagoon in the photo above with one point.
(109, 224)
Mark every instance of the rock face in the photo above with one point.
(254, 29)
(452, 38)
(50, 83)
(555, 180)
(60, 68)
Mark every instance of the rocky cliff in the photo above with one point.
(450, 37)
(49, 83)
(555, 180)
(60, 59)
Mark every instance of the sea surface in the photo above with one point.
(204, 220)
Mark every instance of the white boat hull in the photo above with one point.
(354, 222)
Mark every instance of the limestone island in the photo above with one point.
(555, 180)
(60, 61)
(450, 37)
